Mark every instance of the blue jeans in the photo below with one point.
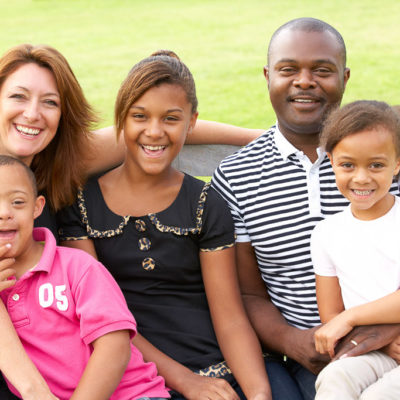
(288, 379)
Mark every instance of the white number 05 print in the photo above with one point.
(47, 294)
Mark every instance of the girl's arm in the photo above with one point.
(182, 379)
(339, 323)
(385, 310)
(329, 297)
(105, 368)
(330, 304)
(106, 152)
(236, 337)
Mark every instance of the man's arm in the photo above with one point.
(272, 329)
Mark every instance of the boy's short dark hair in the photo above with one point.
(8, 160)
(362, 115)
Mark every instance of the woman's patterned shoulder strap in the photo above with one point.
(185, 231)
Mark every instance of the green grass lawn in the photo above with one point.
(223, 42)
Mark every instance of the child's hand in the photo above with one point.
(393, 349)
(199, 387)
(328, 335)
(5, 268)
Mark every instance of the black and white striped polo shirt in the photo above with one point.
(276, 196)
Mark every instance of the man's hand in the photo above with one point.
(363, 339)
(302, 349)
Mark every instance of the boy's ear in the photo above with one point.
(39, 204)
(397, 169)
(330, 157)
(192, 122)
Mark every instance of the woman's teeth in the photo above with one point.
(28, 131)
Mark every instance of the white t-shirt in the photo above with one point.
(364, 255)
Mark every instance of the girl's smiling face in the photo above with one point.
(29, 111)
(156, 128)
(364, 164)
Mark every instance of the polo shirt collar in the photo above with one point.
(286, 148)
(46, 260)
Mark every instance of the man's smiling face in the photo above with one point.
(306, 77)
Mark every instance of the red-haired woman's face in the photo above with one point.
(30, 111)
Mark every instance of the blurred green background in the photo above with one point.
(223, 42)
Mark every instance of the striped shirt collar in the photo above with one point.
(286, 148)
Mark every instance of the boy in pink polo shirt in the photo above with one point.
(66, 308)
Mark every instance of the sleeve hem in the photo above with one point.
(226, 246)
(112, 327)
(70, 238)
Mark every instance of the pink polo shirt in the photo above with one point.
(66, 302)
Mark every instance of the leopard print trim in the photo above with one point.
(68, 238)
(185, 231)
(219, 370)
(94, 233)
(216, 370)
(227, 246)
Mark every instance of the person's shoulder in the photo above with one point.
(201, 193)
(92, 183)
(192, 182)
(74, 260)
(248, 163)
(252, 149)
(331, 221)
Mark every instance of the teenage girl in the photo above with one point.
(355, 253)
(168, 240)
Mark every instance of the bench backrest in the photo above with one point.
(202, 159)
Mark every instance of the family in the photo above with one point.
(124, 278)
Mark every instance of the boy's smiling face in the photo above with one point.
(18, 208)
(364, 165)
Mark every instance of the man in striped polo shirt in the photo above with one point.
(278, 187)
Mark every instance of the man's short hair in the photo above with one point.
(309, 25)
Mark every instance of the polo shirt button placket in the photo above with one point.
(16, 305)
